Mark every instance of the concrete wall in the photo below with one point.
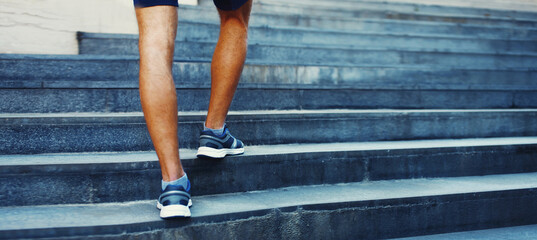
(50, 26)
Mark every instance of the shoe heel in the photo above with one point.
(211, 152)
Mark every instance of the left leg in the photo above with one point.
(226, 69)
(228, 61)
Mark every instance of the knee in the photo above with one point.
(233, 21)
(237, 19)
(156, 42)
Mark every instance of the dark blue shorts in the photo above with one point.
(221, 4)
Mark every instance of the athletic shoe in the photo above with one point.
(213, 146)
(175, 202)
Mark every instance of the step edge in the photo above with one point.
(356, 48)
(97, 35)
(383, 20)
(357, 86)
(188, 155)
(100, 57)
(383, 3)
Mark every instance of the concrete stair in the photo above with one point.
(304, 38)
(306, 212)
(364, 119)
(309, 13)
(281, 165)
(509, 233)
(83, 132)
(45, 84)
(516, 5)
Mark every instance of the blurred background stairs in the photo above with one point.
(363, 119)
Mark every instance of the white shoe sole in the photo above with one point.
(218, 153)
(171, 211)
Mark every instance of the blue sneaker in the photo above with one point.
(213, 146)
(175, 202)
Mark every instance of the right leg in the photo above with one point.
(158, 29)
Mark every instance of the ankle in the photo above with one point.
(212, 125)
(217, 131)
(182, 181)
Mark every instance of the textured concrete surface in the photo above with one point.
(362, 24)
(54, 25)
(268, 97)
(50, 26)
(92, 43)
(527, 232)
(324, 210)
(86, 132)
(189, 154)
(520, 5)
(122, 71)
(207, 31)
(336, 55)
(289, 10)
(305, 54)
(456, 8)
(107, 177)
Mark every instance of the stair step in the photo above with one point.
(90, 132)
(414, 7)
(307, 21)
(97, 176)
(449, 148)
(208, 31)
(331, 55)
(91, 70)
(112, 98)
(517, 7)
(87, 83)
(92, 43)
(404, 207)
(347, 7)
(527, 232)
(291, 12)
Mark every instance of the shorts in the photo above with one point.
(225, 5)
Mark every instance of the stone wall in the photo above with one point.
(50, 26)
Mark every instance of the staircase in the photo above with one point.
(364, 119)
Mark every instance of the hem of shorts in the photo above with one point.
(152, 5)
(230, 8)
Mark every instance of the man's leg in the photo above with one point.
(227, 63)
(226, 69)
(158, 29)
